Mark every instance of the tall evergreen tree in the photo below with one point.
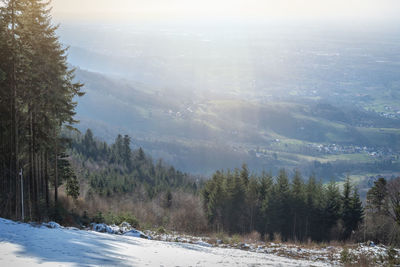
(332, 207)
(265, 195)
(253, 202)
(352, 210)
(126, 153)
(357, 210)
(40, 89)
(280, 201)
(377, 196)
(297, 205)
(236, 207)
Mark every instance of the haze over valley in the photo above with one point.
(203, 96)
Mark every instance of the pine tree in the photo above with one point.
(126, 154)
(72, 187)
(297, 205)
(236, 198)
(357, 210)
(331, 207)
(168, 199)
(89, 144)
(140, 155)
(252, 202)
(377, 196)
(347, 208)
(265, 195)
(244, 175)
(314, 209)
(214, 196)
(280, 211)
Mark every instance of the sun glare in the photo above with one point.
(221, 9)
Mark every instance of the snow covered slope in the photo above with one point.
(24, 245)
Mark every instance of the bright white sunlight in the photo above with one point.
(222, 9)
(200, 133)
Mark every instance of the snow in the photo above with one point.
(25, 245)
(52, 225)
(204, 244)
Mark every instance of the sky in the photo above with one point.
(226, 9)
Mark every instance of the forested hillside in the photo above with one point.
(37, 98)
(116, 169)
(113, 182)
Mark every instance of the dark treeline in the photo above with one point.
(123, 170)
(238, 202)
(382, 220)
(340, 167)
(36, 100)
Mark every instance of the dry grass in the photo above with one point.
(185, 214)
(253, 237)
(277, 238)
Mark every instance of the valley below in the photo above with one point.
(205, 99)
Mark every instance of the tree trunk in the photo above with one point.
(55, 169)
(31, 167)
(46, 177)
(14, 132)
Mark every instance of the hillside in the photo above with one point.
(269, 94)
(204, 134)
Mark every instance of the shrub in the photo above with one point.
(236, 239)
(161, 230)
(346, 257)
(187, 214)
(253, 237)
(98, 218)
(277, 238)
(85, 218)
(393, 257)
(129, 218)
(112, 218)
(223, 237)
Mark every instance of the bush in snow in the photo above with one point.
(161, 230)
(99, 227)
(98, 218)
(125, 227)
(128, 218)
(117, 219)
(104, 228)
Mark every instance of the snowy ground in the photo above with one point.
(25, 245)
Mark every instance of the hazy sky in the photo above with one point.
(221, 9)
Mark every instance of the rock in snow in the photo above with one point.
(104, 228)
(52, 225)
(24, 245)
(124, 229)
(136, 233)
